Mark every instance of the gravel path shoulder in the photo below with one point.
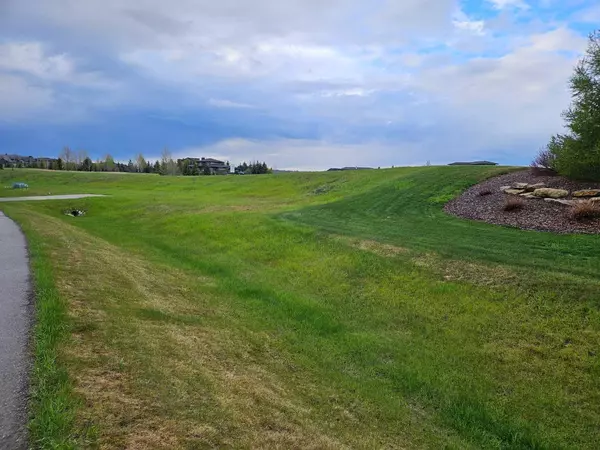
(16, 313)
(537, 213)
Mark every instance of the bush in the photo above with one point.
(577, 154)
(513, 204)
(585, 211)
(544, 163)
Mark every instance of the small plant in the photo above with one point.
(543, 163)
(485, 192)
(585, 211)
(514, 204)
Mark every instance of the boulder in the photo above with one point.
(562, 201)
(587, 193)
(520, 185)
(550, 193)
(514, 191)
(533, 187)
(505, 188)
(595, 199)
(529, 195)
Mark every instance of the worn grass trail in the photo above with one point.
(309, 311)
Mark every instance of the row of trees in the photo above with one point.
(80, 161)
(576, 154)
(70, 160)
(255, 168)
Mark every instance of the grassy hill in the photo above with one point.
(322, 310)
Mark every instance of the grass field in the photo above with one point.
(322, 310)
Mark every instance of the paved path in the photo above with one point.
(16, 313)
(48, 197)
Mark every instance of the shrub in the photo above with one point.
(513, 204)
(485, 192)
(577, 153)
(544, 163)
(585, 211)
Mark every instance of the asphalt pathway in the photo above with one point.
(48, 197)
(16, 313)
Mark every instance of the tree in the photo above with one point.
(156, 167)
(59, 164)
(167, 165)
(109, 163)
(577, 153)
(195, 169)
(80, 158)
(86, 164)
(67, 157)
(140, 162)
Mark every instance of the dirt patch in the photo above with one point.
(536, 214)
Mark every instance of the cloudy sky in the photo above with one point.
(302, 84)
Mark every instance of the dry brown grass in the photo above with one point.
(585, 210)
(148, 383)
(513, 204)
(371, 246)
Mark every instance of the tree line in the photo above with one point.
(69, 159)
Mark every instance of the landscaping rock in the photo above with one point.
(505, 188)
(533, 187)
(528, 195)
(561, 201)
(595, 199)
(520, 185)
(587, 193)
(514, 191)
(550, 193)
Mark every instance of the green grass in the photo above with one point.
(305, 311)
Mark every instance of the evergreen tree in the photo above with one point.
(577, 153)
(86, 165)
(195, 169)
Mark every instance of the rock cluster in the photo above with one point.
(539, 190)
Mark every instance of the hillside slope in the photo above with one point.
(329, 310)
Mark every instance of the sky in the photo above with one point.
(300, 84)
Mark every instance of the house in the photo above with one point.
(215, 166)
(474, 163)
(7, 160)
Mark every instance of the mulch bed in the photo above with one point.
(537, 214)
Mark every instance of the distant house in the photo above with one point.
(474, 163)
(7, 160)
(215, 166)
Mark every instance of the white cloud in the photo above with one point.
(505, 4)
(473, 26)
(30, 58)
(223, 103)
(589, 15)
(20, 100)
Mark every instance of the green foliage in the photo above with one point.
(254, 168)
(577, 154)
